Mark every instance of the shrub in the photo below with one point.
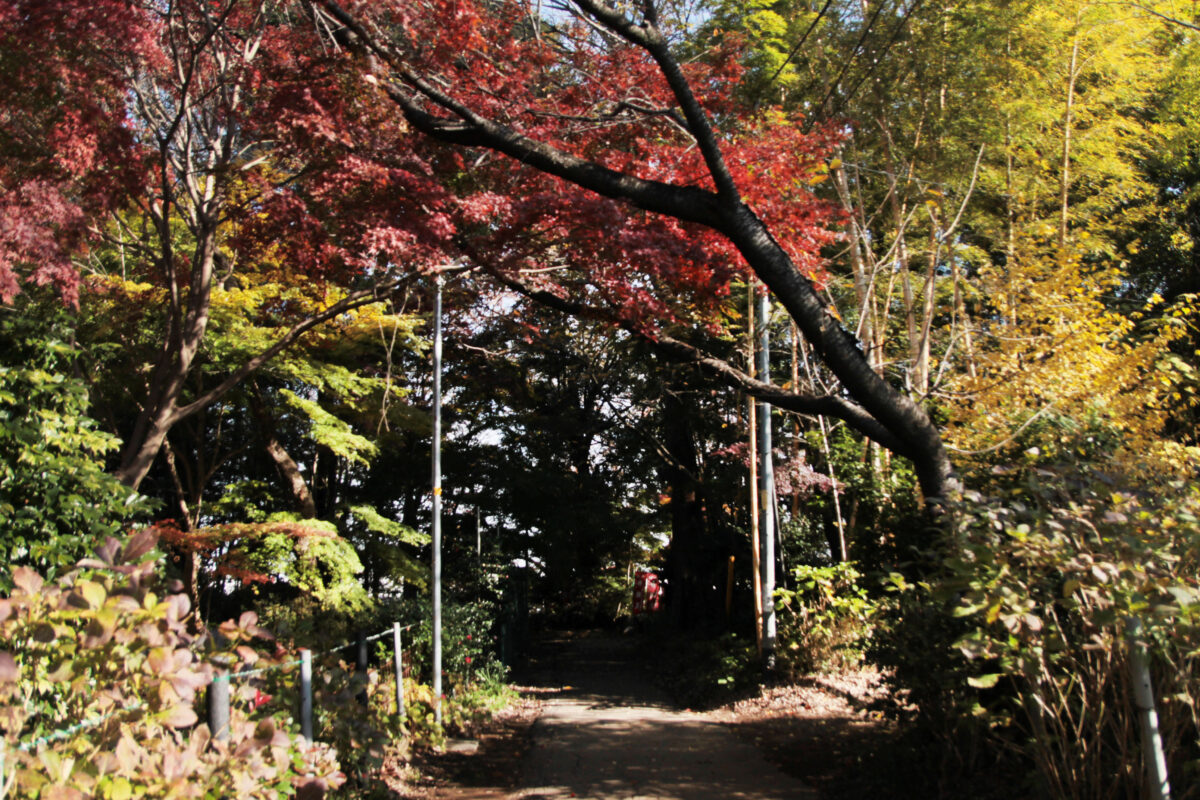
(56, 500)
(825, 622)
(97, 694)
(1025, 625)
(469, 641)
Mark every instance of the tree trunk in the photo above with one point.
(289, 470)
(185, 333)
(1068, 114)
(691, 600)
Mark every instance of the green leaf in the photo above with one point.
(121, 789)
(984, 681)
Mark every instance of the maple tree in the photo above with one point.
(167, 145)
(604, 123)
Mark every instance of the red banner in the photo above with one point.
(647, 592)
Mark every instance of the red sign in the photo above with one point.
(647, 592)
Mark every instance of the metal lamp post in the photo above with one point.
(437, 503)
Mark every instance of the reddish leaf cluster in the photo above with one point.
(792, 475)
(66, 149)
(227, 547)
(608, 102)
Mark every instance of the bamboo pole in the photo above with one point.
(755, 556)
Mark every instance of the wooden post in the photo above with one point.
(218, 706)
(399, 661)
(729, 589)
(360, 666)
(306, 698)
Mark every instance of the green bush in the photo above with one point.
(56, 499)
(469, 642)
(1020, 635)
(704, 672)
(825, 622)
(98, 693)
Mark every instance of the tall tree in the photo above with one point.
(542, 96)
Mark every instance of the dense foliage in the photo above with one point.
(222, 225)
(103, 678)
(57, 501)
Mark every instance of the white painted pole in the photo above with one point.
(398, 659)
(766, 488)
(218, 705)
(306, 698)
(1143, 697)
(437, 503)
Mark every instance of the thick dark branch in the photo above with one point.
(648, 37)
(895, 420)
(686, 203)
(470, 129)
(678, 350)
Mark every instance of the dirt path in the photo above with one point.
(606, 732)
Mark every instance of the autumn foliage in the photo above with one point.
(99, 689)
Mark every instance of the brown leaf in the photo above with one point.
(158, 659)
(125, 604)
(97, 633)
(178, 605)
(27, 580)
(312, 789)
(127, 753)
(186, 683)
(180, 717)
(139, 544)
(229, 630)
(8, 668)
(265, 731)
(108, 551)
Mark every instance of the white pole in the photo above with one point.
(1143, 698)
(437, 503)
(398, 662)
(766, 491)
(306, 697)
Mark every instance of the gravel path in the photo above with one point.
(607, 732)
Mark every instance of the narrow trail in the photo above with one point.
(607, 732)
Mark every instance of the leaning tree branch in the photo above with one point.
(648, 37)
(354, 300)
(909, 430)
(468, 128)
(830, 405)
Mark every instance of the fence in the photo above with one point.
(218, 688)
(219, 694)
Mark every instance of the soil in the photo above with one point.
(822, 730)
(488, 771)
(819, 731)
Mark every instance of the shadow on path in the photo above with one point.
(607, 732)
